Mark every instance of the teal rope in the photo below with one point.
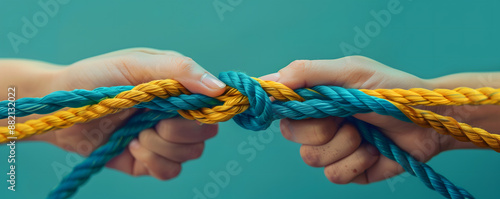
(79, 97)
(115, 145)
(329, 101)
(424, 172)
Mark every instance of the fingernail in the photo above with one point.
(271, 77)
(211, 81)
(372, 150)
(134, 144)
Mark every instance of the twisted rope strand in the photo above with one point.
(234, 103)
(120, 139)
(126, 99)
(426, 174)
(247, 101)
(414, 96)
(82, 172)
(335, 101)
(457, 96)
(61, 99)
(448, 126)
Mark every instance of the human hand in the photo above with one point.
(157, 151)
(334, 143)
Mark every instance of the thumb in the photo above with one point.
(191, 75)
(347, 72)
(135, 67)
(183, 69)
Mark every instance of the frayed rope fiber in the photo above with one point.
(246, 100)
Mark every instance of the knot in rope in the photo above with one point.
(247, 101)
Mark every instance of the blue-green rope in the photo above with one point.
(329, 101)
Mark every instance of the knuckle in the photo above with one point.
(210, 131)
(196, 151)
(169, 173)
(146, 135)
(310, 156)
(300, 66)
(184, 64)
(126, 65)
(352, 135)
(172, 172)
(148, 158)
(164, 129)
(320, 135)
(365, 162)
(334, 175)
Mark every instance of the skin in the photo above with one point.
(337, 146)
(158, 151)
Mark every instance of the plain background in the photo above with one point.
(428, 39)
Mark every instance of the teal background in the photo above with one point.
(428, 39)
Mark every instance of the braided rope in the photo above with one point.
(120, 139)
(424, 172)
(448, 126)
(246, 101)
(414, 96)
(98, 158)
(348, 101)
(457, 96)
(60, 99)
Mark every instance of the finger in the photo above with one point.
(84, 138)
(382, 169)
(150, 140)
(143, 68)
(126, 163)
(349, 72)
(144, 65)
(180, 130)
(345, 170)
(310, 131)
(345, 142)
(158, 166)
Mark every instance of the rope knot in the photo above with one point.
(259, 114)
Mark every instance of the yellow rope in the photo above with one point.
(420, 96)
(235, 103)
(448, 126)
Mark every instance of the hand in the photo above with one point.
(335, 144)
(157, 151)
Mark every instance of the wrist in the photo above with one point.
(472, 80)
(31, 79)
